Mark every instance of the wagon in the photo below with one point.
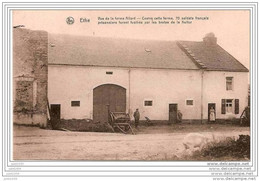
(120, 121)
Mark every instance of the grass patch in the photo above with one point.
(228, 149)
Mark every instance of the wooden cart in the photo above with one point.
(120, 121)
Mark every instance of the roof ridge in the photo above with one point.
(113, 38)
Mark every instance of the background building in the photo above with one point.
(30, 76)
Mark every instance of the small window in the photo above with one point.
(148, 103)
(109, 73)
(189, 102)
(75, 103)
(229, 83)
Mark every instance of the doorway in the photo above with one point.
(108, 97)
(55, 114)
(214, 107)
(173, 113)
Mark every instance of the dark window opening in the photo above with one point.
(109, 73)
(75, 103)
(148, 103)
(189, 102)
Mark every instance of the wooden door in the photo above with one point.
(108, 96)
(173, 113)
(55, 114)
(214, 107)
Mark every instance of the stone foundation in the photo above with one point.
(38, 119)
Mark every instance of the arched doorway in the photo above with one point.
(108, 94)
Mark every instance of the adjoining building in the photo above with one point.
(30, 76)
(89, 75)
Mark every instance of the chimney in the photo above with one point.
(210, 39)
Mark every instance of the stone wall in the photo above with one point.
(30, 76)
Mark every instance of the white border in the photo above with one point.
(108, 169)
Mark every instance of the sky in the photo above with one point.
(231, 27)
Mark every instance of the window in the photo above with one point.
(229, 106)
(189, 102)
(229, 83)
(148, 103)
(75, 103)
(109, 72)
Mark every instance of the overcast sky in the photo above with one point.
(230, 27)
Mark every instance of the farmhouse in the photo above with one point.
(87, 76)
(84, 77)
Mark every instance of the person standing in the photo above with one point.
(179, 116)
(137, 117)
(212, 116)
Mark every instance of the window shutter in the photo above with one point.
(236, 106)
(223, 106)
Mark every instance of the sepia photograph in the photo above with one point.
(131, 85)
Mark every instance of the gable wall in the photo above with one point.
(215, 89)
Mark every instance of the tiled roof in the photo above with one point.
(98, 51)
(211, 57)
(114, 52)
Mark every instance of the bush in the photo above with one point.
(239, 148)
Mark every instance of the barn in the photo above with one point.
(87, 76)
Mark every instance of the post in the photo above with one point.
(108, 112)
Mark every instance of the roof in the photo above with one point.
(211, 57)
(131, 53)
(114, 52)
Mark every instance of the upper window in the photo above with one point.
(229, 83)
(148, 103)
(75, 103)
(189, 102)
(109, 72)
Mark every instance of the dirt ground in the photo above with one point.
(150, 143)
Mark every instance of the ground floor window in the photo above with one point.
(148, 103)
(75, 103)
(230, 106)
(189, 102)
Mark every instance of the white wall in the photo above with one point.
(163, 87)
(215, 89)
(76, 83)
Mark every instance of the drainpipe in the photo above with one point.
(202, 75)
(129, 71)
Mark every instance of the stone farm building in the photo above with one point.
(30, 76)
(86, 74)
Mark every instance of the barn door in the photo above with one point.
(108, 96)
(214, 107)
(173, 113)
